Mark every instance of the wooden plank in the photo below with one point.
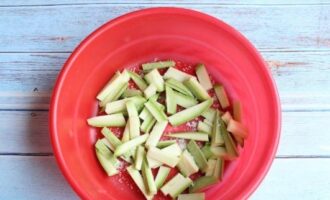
(287, 179)
(303, 133)
(26, 177)
(296, 179)
(302, 78)
(60, 28)
(239, 2)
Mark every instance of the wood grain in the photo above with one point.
(45, 181)
(233, 2)
(27, 79)
(60, 28)
(303, 133)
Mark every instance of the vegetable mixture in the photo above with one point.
(161, 98)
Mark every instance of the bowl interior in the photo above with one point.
(162, 33)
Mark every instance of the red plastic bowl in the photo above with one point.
(163, 33)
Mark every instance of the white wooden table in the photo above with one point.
(37, 36)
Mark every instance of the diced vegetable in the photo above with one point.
(187, 164)
(210, 167)
(237, 110)
(226, 117)
(154, 77)
(165, 143)
(126, 134)
(229, 142)
(189, 113)
(207, 151)
(219, 152)
(127, 146)
(193, 196)
(217, 139)
(156, 111)
(183, 100)
(149, 178)
(161, 176)
(197, 154)
(158, 155)
(203, 77)
(218, 169)
(176, 185)
(113, 96)
(221, 95)
(150, 91)
(209, 114)
(190, 135)
(114, 85)
(202, 183)
(176, 74)
(170, 100)
(178, 86)
(138, 179)
(142, 85)
(156, 134)
(139, 157)
(157, 65)
(195, 87)
(204, 127)
(237, 129)
(115, 120)
(131, 93)
(120, 105)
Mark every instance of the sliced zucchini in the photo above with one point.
(217, 139)
(127, 146)
(155, 110)
(193, 196)
(154, 77)
(197, 154)
(108, 144)
(219, 168)
(113, 96)
(102, 147)
(221, 94)
(206, 149)
(114, 120)
(126, 134)
(112, 86)
(149, 178)
(106, 158)
(156, 134)
(107, 133)
(187, 164)
(198, 136)
(138, 179)
(229, 142)
(219, 152)
(209, 114)
(131, 108)
(144, 114)
(150, 91)
(178, 86)
(204, 127)
(189, 113)
(203, 77)
(202, 183)
(210, 167)
(176, 185)
(183, 100)
(129, 92)
(197, 89)
(134, 126)
(142, 85)
(161, 176)
(148, 123)
(237, 129)
(139, 157)
(158, 155)
(120, 105)
(165, 143)
(176, 74)
(157, 65)
(170, 100)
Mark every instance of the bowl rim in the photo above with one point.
(173, 10)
